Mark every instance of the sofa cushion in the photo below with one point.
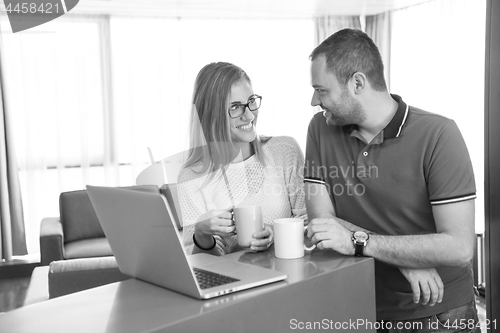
(69, 276)
(94, 247)
(78, 217)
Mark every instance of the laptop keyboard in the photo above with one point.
(208, 279)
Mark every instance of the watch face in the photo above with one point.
(361, 236)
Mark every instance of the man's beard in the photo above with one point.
(347, 112)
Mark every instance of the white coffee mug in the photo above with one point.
(248, 220)
(289, 238)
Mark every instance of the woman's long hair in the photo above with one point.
(211, 147)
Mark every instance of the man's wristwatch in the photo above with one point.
(360, 239)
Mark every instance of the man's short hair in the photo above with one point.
(349, 51)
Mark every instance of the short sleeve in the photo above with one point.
(312, 171)
(450, 175)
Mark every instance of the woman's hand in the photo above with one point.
(213, 222)
(262, 239)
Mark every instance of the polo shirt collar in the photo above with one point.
(395, 126)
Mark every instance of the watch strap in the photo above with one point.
(358, 249)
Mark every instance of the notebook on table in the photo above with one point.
(147, 246)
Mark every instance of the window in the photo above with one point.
(90, 94)
(439, 67)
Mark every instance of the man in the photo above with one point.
(393, 182)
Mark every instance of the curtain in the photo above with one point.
(439, 67)
(92, 93)
(326, 25)
(55, 86)
(378, 27)
(13, 237)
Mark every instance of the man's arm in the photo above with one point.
(451, 245)
(319, 205)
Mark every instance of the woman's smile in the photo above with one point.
(246, 127)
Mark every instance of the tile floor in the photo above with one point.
(13, 293)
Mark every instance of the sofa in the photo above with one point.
(75, 254)
(76, 233)
(64, 277)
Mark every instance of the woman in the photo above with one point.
(230, 165)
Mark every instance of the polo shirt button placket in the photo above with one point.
(362, 166)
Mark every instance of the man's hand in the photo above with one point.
(426, 284)
(328, 233)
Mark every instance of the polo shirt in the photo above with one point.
(388, 186)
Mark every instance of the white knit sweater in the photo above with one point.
(277, 187)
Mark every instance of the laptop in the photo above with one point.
(147, 245)
(170, 193)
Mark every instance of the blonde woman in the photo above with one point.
(229, 164)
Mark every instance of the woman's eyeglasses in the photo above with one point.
(237, 109)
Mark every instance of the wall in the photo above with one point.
(492, 162)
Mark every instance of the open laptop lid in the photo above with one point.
(170, 193)
(123, 213)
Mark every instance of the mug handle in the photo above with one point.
(310, 248)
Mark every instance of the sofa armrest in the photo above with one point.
(51, 240)
(69, 276)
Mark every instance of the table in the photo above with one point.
(324, 291)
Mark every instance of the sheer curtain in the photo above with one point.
(324, 26)
(12, 230)
(439, 66)
(54, 85)
(91, 93)
(155, 63)
(378, 27)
